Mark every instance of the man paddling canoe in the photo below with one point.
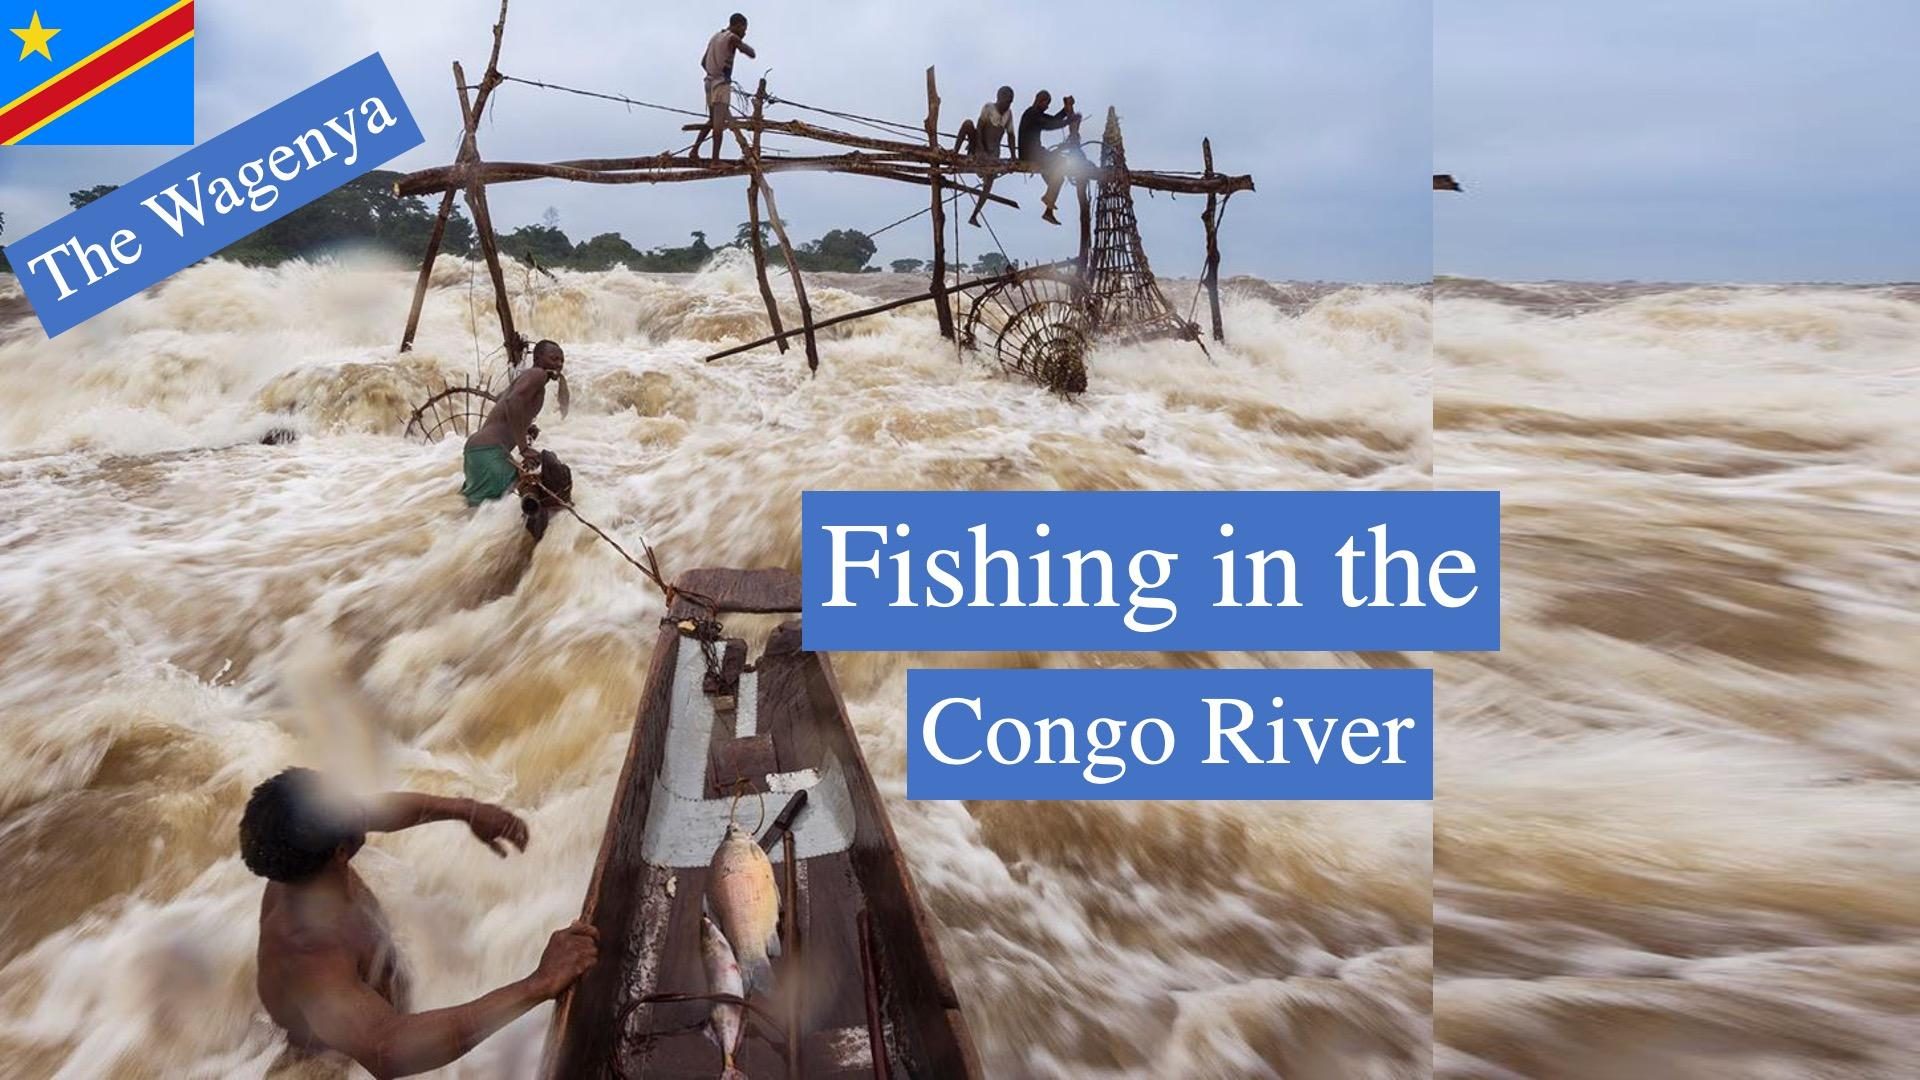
(329, 973)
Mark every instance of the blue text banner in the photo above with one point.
(1162, 571)
(213, 195)
(1139, 733)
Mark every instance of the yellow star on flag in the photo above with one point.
(34, 38)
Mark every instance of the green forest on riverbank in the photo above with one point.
(366, 214)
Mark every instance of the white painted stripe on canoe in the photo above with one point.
(683, 828)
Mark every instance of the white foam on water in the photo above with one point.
(1675, 827)
(183, 612)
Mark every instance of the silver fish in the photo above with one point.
(725, 1023)
(746, 904)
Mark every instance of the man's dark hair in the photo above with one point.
(288, 832)
(1005, 92)
(736, 19)
(545, 347)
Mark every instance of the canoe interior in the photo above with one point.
(646, 901)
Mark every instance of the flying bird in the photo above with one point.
(1446, 182)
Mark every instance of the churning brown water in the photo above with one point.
(1677, 827)
(183, 612)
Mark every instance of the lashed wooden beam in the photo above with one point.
(670, 170)
(667, 169)
(948, 160)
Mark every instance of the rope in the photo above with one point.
(650, 568)
(890, 126)
(739, 789)
(621, 98)
(918, 130)
(928, 209)
(996, 237)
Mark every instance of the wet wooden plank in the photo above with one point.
(741, 764)
(767, 591)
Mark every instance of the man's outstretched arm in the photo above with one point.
(492, 825)
(346, 1014)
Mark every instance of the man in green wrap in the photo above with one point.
(490, 468)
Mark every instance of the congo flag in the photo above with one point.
(96, 72)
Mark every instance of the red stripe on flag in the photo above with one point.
(90, 75)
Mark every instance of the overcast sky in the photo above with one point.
(1707, 140)
(1326, 104)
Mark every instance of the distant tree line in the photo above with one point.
(843, 250)
(991, 263)
(366, 214)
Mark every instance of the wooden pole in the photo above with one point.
(477, 198)
(786, 247)
(1086, 224)
(942, 308)
(440, 220)
(1212, 219)
(753, 222)
(483, 230)
(878, 309)
(1086, 205)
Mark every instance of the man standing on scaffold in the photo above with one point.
(717, 64)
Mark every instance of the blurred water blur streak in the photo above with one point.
(183, 612)
(1677, 824)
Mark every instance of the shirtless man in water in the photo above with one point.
(489, 465)
(329, 973)
(509, 426)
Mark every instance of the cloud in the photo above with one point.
(1714, 140)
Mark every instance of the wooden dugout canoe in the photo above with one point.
(861, 969)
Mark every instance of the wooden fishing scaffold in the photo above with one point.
(1037, 321)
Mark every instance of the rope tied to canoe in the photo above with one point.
(650, 568)
(706, 631)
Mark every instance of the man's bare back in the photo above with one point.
(302, 926)
(329, 973)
